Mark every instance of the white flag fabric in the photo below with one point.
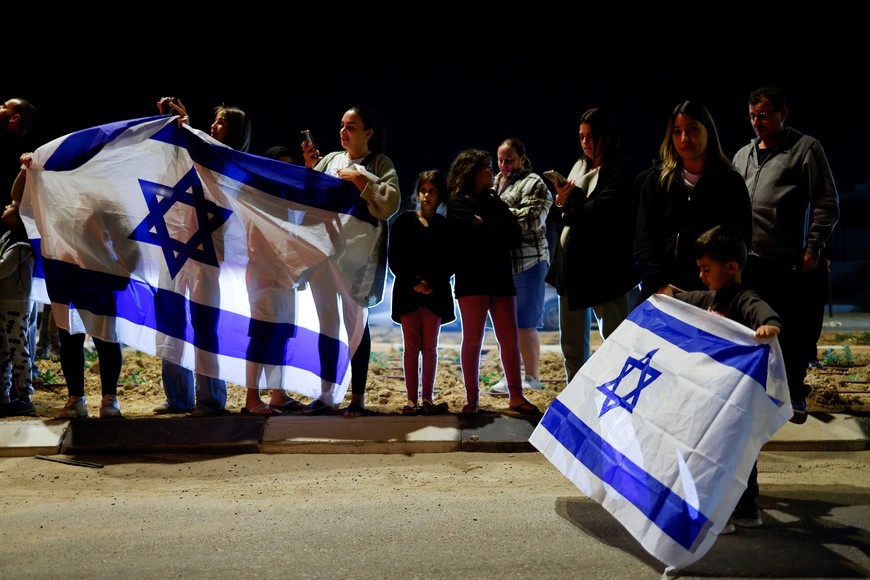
(664, 422)
(233, 265)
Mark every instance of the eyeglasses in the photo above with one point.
(760, 116)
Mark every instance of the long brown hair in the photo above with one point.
(671, 162)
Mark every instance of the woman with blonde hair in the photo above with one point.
(691, 188)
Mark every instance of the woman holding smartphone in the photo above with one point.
(593, 268)
(363, 163)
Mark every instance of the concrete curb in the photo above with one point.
(490, 432)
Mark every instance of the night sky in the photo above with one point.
(449, 79)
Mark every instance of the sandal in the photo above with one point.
(356, 410)
(263, 410)
(410, 409)
(291, 405)
(430, 408)
(526, 408)
(317, 407)
(470, 410)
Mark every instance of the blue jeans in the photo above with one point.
(183, 392)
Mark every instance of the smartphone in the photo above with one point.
(555, 177)
(306, 135)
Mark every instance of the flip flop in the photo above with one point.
(526, 408)
(261, 411)
(430, 408)
(317, 407)
(357, 410)
(291, 406)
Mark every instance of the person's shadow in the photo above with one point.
(802, 536)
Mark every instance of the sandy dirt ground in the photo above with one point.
(840, 386)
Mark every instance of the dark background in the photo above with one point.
(449, 76)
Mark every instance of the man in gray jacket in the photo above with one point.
(795, 207)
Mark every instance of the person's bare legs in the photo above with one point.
(472, 311)
(255, 405)
(503, 311)
(530, 351)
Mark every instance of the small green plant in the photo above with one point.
(91, 355)
(489, 379)
(834, 358)
(132, 378)
(49, 377)
(378, 359)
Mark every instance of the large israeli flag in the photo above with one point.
(162, 238)
(663, 424)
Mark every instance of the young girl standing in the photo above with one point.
(422, 297)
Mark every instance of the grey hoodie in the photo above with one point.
(795, 204)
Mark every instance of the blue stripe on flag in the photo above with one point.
(36, 243)
(751, 360)
(287, 181)
(671, 513)
(221, 331)
(80, 147)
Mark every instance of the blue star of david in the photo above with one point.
(629, 401)
(153, 230)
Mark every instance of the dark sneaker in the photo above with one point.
(17, 408)
(750, 518)
(799, 412)
(165, 408)
(729, 527)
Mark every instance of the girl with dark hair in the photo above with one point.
(363, 163)
(484, 231)
(593, 267)
(422, 298)
(201, 395)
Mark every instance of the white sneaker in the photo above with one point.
(75, 408)
(729, 527)
(110, 408)
(500, 389)
(532, 384)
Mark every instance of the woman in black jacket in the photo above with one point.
(483, 231)
(593, 266)
(691, 189)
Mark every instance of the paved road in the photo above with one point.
(434, 515)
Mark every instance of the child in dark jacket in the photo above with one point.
(721, 255)
(422, 296)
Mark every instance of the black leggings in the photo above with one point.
(359, 363)
(72, 363)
